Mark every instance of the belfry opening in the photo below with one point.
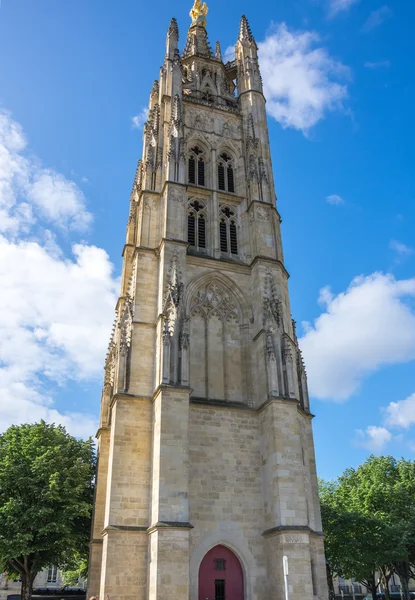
(205, 441)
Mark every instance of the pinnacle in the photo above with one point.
(155, 88)
(173, 28)
(218, 52)
(245, 33)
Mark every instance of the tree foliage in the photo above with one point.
(46, 495)
(369, 520)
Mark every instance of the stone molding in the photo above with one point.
(221, 404)
(168, 525)
(280, 529)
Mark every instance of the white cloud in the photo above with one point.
(381, 64)
(55, 316)
(401, 249)
(402, 413)
(334, 199)
(55, 311)
(139, 120)
(300, 80)
(376, 18)
(367, 326)
(338, 6)
(373, 438)
(29, 191)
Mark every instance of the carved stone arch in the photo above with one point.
(234, 540)
(230, 147)
(198, 137)
(230, 287)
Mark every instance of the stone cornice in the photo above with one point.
(166, 387)
(130, 528)
(221, 404)
(169, 525)
(101, 429)
(225, 265)
(292, 529)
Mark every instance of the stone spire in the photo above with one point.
(245, 33)
(172, 40)
(218, 52)
(197, 42)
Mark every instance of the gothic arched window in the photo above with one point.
(228, 231)
(196, 166)
(196, 224)
(226, 181)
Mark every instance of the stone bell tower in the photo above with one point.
(206, 475)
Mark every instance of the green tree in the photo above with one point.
(46, 495)
(384, 487)
(369, 519)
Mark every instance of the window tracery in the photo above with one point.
(213, 300)
(226, 180)
(228, 236)
(196, 166)
(196, 224)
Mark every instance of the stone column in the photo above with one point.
(169, 530)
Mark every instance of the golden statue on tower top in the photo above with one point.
(198, 13)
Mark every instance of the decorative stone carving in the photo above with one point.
(185, 334)
(176, 195)
(270, 348)
(149, 203)
(173, 295)
(126, 325)
(213, 300)
(294, 539)
(262, 171)
(262, 213)
(110, 366)
(272, 305)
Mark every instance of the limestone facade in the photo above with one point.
(205, 435)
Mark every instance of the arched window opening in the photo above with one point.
(196, 225)
(221, 176)
(196, 166)
(228, 231)
(233, 239)
(223, 236)
(226, 181)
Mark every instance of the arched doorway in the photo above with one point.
(221, 576)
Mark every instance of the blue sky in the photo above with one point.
(339, 77)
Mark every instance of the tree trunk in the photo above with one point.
(404, 571)
(386, 574)
(405, 587)
(27, 585)
(332, 593)
(373, 586)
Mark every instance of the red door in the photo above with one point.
(221, 576)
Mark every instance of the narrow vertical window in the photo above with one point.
(223, 236)
(191, 238)
(196, 224)
(226, 181)
(201, 230)
(231, 185)
(221, 176)
(200, 172)
(228, 231)
(192, 170)
(196, 166)
(232, 235)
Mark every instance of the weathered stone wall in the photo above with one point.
(225, 490)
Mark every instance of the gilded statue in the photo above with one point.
(198, 13)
